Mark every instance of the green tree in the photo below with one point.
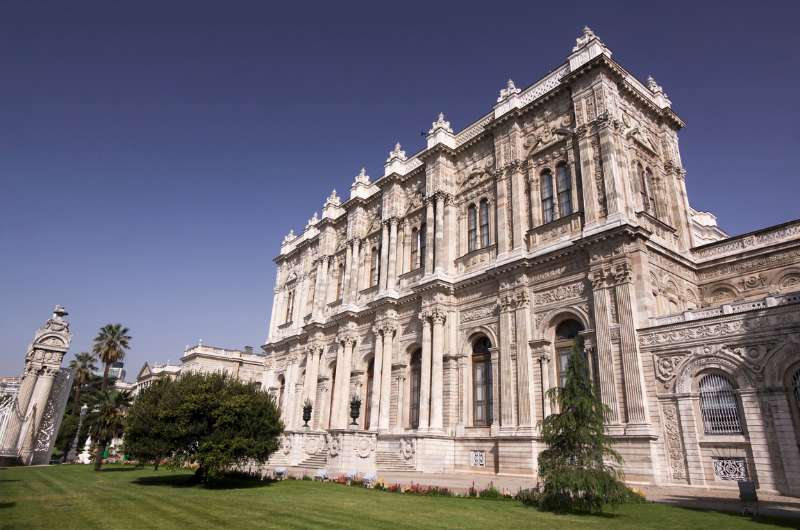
(83, 368)
(107, 420)
(109, 345)
(574, 466)
(147, 436)
(210, 420)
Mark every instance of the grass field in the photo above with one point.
(123, 497)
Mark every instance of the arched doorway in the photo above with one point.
(566, 334)
(482, 390)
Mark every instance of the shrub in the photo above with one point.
(490, 493)
(528, 496)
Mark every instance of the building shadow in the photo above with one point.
(776, 516)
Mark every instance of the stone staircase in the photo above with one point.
(278, 459)
(317, 461)
(392, 461)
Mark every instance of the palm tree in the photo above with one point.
(110, 345)
(83, 367)
(108, 420)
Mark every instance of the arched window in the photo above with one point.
(566, 334)
(651, 184)
(368, 394)
(414, 249)
(472, 228)
(281, 392)
(374, 265)
(719, 405)
(481, 382)
(645, 197)
(423, 243)
(484, 222)
(289, 306)
(415, 384)
(564, 187)
(546, 191)
(793, 389)
(340, 282)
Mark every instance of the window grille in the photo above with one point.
(719, 405)
(477, 458)
(730, 469)
(796, 387)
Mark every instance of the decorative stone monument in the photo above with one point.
(35, 414)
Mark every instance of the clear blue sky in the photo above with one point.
(153, 154)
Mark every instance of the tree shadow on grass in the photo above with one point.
(115, 469)
(190, 481)
(7, 505)
(779, 517)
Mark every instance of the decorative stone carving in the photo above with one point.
(285, 444)
(674, 441)
(364, 445)
(408, 448)
(478, 313)
(440, 123)
(666, 366)
(508, 91)
(562, 292)
(334, 444)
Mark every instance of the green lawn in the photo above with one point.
(121, 497)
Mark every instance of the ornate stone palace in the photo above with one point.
(447, 295)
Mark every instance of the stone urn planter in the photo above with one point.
(307, 408)
(355, 409)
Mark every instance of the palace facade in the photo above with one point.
(447, 295)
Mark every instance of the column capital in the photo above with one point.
(438, 316)
(622, 273)
(540, 348)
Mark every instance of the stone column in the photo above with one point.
(320, 288)
(37, 407)
(519, 206)
(466, 405)
(20, 408)
(425, 378)
(437, 372)
(495, 388)
(406, 259)
(635, 398)
(391, 283)
(503, 236)
(348, 265)
(400, 423)
(605, 357)
(525, 398)
(614, 188)
(341, 384)
(383, 277)
(386, 376)
(429, 231)
(374, 414)
(439, 246)
(308, 375)
(273, 319)
(507, 392)
(541, 353)
(356, 268)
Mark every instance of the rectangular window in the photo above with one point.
(484, 223)
(564, 186)
(482, 374)
(563, 365)
(472, 228)
(546, 190)
(423, 244)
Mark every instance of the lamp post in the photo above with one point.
(73, 451)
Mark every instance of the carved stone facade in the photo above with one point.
(32, 417)
(445, 292)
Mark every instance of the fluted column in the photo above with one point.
(437, 370)
(507, 392)
(355, 273)
(429, 233)
(391, 283)
(541, 354)
(377, 367)
(341, 384)
(495, 389)
(399, 423)
(385, 243)
(20, 408)
(605, 357)
(37, 407)
(321, 287)
(635, 398)
(386, 375)
(503, 236)
(425, 376)
(519, 206)
(348, 266)
(439, 245)
(525, 398)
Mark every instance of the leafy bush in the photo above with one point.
(490, 493)
(528, 496)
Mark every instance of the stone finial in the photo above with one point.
(396, 154)
(586, 36)
(333, 199)
(311, 222)
(59, 312)
(289, 237)
(440, 123)
(362, 177)
(657, 90)
(508, 91)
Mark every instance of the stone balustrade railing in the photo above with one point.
(727, 309)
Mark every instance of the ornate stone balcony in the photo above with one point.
(476, 259)
(410, 278)
(661, 231)
(727, 309)
(561, 229)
